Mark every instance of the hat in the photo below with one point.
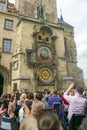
(36, 107)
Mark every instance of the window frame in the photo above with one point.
(8, 48)
(9, 25)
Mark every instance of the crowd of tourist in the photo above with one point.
(42, 110)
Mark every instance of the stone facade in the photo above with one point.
(30, 8)
(43, 51)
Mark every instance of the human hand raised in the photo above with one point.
(72, 86)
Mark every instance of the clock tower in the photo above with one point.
(45, 51)
(31, 8)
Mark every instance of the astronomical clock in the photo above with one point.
(43, 54)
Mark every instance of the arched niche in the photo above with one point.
(50, 31)
(5, 77)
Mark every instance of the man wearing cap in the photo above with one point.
(77, 102)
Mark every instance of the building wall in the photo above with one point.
(7, 34)
(5, 57)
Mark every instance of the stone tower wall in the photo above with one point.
(29, 8)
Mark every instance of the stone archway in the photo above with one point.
(1, 84)
(4, 79)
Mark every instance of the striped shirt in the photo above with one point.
(5, 123)
(77, 104)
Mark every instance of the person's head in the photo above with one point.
(27, 107)
(8, 106)
(30, 96)
(55, 92)
(17, 96)
(28, 104)
(39, 95)
(36, 107)
(48, 120)
(22, 98)
(46, 91)
(5, 104)
(83, 125)
(79, 89)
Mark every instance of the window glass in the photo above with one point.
(15, 86)
(8, 24)
(7, 45)
(2, 6)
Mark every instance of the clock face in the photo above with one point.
(45, 75)
(44, 54)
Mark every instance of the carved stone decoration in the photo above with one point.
(30, 57)
(44, 47)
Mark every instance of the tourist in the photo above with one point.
(48, 120)
(55, 101)
(77, 102)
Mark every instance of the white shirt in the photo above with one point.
(77, 104)
(21, 114)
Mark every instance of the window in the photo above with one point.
(2, 6)
(47, 39)
(7, 45)
(8, 24)
(39, 37)
(15, 86)
(65, 45)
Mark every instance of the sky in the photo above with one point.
(74, 12)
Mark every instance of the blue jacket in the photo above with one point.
(53, 99)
